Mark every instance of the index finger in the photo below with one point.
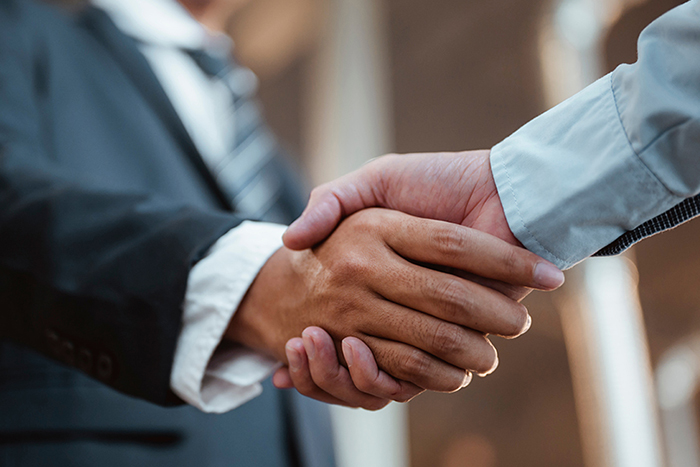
(456, 246)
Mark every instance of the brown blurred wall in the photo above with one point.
(465, 74)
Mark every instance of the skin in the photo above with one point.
(425, 328)
(422, 339)
(453, 187)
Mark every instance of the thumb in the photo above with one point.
(318, 220)
(328, 205)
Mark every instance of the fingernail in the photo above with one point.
(467, 379)
(309, 344)
(548, 276)
(293, 357)
(485, 374)
(347, 352)
(527, 324)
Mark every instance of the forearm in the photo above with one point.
(209, 371)
(102, 268)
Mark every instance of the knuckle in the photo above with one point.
(327, 378)
(447, 240)
(367, 219)
(447, 339)
(352, 265)
(364, 384)
(415, 364)
(367, 385)
(511, 259)
(452, 297)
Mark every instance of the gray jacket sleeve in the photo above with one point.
(603, 165)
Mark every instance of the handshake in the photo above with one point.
(394, 277)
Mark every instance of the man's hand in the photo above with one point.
(424, 327)
(308, 374)
(452, 187)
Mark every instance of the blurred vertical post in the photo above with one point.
(349, 123)
(601, 315)
(349, 91)
(677, 384)
(610, 367)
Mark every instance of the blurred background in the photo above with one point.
(343, 81)
(346, 80)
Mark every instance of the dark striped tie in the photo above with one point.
(262, 186)
(252, 174)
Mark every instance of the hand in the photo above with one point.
(413, 318)
(320, 367)
(362, 376)
(452, 187)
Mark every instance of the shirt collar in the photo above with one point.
(163, 22)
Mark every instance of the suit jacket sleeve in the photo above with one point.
(613, 157)
(91, 277)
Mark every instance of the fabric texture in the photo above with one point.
(213, 378)
(675, 216)
(105, 206)
(616, 162)
(214, 98)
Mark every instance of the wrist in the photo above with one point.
(486, 213)
(251, 325)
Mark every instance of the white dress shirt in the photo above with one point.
(208, 376)
(615, 155)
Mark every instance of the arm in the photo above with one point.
(596, 168)
(81, 267)
(425, 327)
(570, 182)
(614, 163)
(207, 374)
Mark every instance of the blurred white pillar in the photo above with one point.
(349, 91)
(349, 123)
(610, 366)
(602, 319)
(677, 383)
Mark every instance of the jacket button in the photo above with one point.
(104, 367)
(85, 360)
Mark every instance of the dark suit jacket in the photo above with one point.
(105, 205)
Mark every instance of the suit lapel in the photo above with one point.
(125, 52)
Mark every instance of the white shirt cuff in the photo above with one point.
(212, 377)
(569, 181)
